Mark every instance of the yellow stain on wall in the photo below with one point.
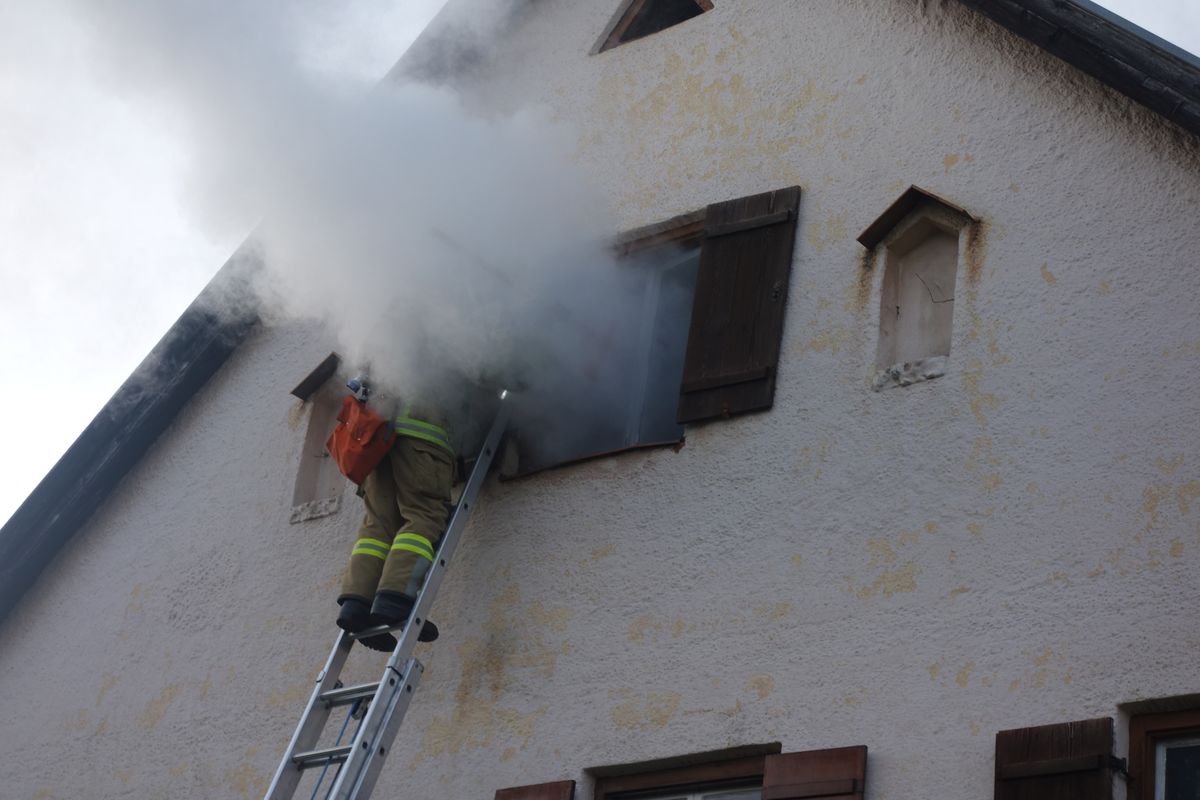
(978, 400)
(830, 231)
(960, 590)
(107, 681)
(75, 723)
(514, 638)
(603, 552)
(640, 625)
(1185, 494)
(246, 781)
(881, 552)
(1048, 276)
(963, 678)
(157, 708)
(762, 685)
(1168, 466)
(772, 613)
(1176, 548)
(935, 669)
(647, 711)
(289, 697)
(897, 581)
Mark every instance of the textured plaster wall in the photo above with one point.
(1015, 543)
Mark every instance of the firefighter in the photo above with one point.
(406, 499)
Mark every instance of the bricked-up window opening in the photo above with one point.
(1164, 756)
(922, 240)
(644, 17)
(319, 484)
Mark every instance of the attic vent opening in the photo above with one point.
(644, 17)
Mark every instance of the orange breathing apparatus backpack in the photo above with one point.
(360, 441)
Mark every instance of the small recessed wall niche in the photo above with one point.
(319, 484)
(920, 241)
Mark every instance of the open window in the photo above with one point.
(711, 291)
(641, 18)
(922, 238)
(319, 484)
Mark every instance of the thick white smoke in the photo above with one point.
(422, 234)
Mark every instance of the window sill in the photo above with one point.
(910, 372)
(315, 509)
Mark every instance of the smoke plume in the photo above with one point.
(429, 239)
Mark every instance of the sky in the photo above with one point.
(100, 245)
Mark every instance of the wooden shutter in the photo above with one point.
(737, 315)
(1069, 761)
(838, 774)
(559, 790)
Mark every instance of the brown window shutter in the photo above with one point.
(559, 790)
(1068, 761)
(737, 315)
(838, 774)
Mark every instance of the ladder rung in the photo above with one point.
(347, 695)
(319, 758)
(375, 630)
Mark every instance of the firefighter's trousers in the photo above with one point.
(405, 497)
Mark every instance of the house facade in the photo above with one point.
(951, 494)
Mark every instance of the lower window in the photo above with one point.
(1164, 756)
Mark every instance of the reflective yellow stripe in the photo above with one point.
(376, 543)
(412, 548)
(414, 542)
(418, 429)
(369, 550)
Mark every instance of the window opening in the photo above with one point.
(644, 17)
(1177, 769)
(1164, 751)
(645, 360)
(753, 792)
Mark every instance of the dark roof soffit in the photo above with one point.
(1135, 62)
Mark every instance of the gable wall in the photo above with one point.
(912, 569)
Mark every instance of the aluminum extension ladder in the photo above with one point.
(361, 761)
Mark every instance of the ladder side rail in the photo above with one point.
(361, 782)
(399, 664)
(312, 722)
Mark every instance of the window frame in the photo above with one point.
(624, 18)
(1145, 733)
(709, 775)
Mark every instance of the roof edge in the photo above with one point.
(190, 353)
(1110, 48)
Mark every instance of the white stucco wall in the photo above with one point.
(1015, 543)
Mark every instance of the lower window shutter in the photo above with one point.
(558, 790)
(1067, 761)
(737, 315)
(838, 774)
